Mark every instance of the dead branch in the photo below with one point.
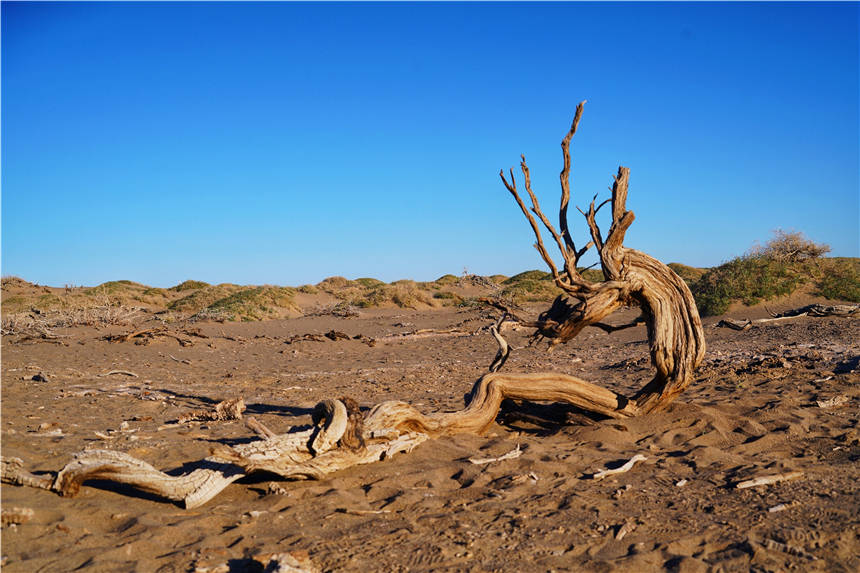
(12, 472)
(124, 372)
(259, 428)
(620, 470)
(817, 310)
(767, 480)
(515, 453)
(226, 410)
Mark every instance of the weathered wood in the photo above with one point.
(675, 334)
(226, 410)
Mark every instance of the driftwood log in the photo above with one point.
(343, 437)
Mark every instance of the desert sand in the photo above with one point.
(778, 399)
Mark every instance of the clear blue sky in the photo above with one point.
(286, 142)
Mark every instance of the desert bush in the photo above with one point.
(749, 279)
(778, 268)
(308, 289)
(447, 280)
(189, 285)
(839, 280)
(334, 283)
(255, 303)
(42, 323)
(404, 293)
(789, 247)
(530, 286)
(202, 298)
(369, 282)
(689, 274)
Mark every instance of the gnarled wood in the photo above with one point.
(675, 334)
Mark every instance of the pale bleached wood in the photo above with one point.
(620, 470)
(767, 480)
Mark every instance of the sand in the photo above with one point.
(753, 411)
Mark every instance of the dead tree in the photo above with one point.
(344, 437)
(675, 334)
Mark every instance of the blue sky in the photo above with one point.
(286, 142)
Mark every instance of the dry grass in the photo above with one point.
(31, 323)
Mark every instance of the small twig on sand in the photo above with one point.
(182, 360)
(126, 372)
(625, 468)
(624, 529)
(361, 511)
(515, 453)
(767, 480)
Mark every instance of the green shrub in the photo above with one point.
(689, 274)
(189, 285)
(255, 303)
(334, 283)
(369, 282)
(786, 262)
(749, 279)
(530, 286)
(840, 280)
(447, 280)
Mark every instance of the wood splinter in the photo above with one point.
(767, 480)
(515, 453)
(620, 470)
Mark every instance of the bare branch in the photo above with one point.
(621, 217)
(512, 187)
(564, 177)
(569, 266)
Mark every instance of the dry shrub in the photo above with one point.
(44, 321)
(789, 247)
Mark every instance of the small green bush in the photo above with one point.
(255, 303)
(447, 280)
(749, 279)
(369, 282)
(783, 264)
(530, 286)
(840, 280)
(189, 285)
(689, 274)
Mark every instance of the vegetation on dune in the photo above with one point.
(189, 285)
(530, 286)
(689, 274)
(202, 298)
(255, 303)
(840, 280)
(787, 262)
(447, 280)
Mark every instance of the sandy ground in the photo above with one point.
(753, 411)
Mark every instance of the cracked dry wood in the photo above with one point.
(675, 335)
